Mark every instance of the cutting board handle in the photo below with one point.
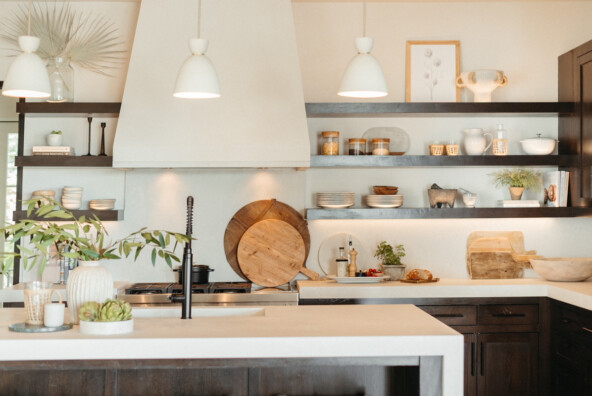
(310, 273)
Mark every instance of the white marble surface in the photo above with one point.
(15, 293)
(296, 331)
(575, 293)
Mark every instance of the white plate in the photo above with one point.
(329, 250)
(399, 139)
(385, 205)
(335, 206)
(358, 279)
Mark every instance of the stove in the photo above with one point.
(213, 293)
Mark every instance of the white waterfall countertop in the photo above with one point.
(575, 293)
(349, 331)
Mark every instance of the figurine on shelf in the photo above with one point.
(102, 153)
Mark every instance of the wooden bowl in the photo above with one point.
(385, 190)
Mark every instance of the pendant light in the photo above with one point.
(197, 78)
(363, 76)
(27, 75)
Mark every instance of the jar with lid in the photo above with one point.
(380, 146)
(500, 141)
(330, 142)
(357, 146)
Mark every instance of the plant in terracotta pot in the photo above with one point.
(85, 239)
(518, 180)
(391, 259)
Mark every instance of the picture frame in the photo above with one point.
(431, 68)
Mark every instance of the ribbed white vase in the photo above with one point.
(90, 281)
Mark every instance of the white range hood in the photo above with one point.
(259, 121)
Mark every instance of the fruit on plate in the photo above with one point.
(419, 274)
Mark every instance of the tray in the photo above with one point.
(420, 280)
(358, 279)
(27, 328)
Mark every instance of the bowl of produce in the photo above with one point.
(563, 269)
(108, 318)
(538, 145)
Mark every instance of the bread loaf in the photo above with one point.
(419, 274)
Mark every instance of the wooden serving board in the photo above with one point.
(420, 280)
(271, 252)
(253, 213)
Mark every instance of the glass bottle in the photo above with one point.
(61, 80)
(341, 263)
(500, 141)
(330, 142)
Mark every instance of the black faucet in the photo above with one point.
(187, 264)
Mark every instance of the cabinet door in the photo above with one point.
(508, 364)
(585, 68)
(470, 364)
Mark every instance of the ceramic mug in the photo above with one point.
(475, 141)
(481, 83)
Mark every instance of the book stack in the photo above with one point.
(555, 188)
(53, 150)
(520, 203)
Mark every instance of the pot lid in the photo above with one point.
(538, 138)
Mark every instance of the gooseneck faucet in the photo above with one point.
(185, 298)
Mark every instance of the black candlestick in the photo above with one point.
(89, 123)
(102, 153)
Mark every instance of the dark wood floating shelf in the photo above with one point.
(376, 161)
(103, 215)
(64, 160)
(443, 213)
(68, 108)
(381, 109)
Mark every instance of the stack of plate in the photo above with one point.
(101, 204)
(335, 199)
(43, 196)
(72, 197)
(384, 201)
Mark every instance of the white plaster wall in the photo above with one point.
(521, 38)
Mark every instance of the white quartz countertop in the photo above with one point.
(575, 293)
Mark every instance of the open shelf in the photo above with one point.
(64, 160)
(111, 108)
(443, 213)
(345, 109)
(360, 161)
(103, 215)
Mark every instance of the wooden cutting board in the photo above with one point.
(253, 213)
(272, 252)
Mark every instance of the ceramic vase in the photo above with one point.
(61, 80)
(395, 272)
(516, 193)
(90, 281)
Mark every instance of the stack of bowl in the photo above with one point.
(102, 204)
(385, 197)
(43, 196)
(72, 197)
(335, 199)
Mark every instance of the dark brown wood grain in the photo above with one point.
(63, 160)
(68, 108)
(104, 215)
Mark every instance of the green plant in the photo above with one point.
(55, 133)
(388, 255)
(89, 41)
(517, 177)
(109, 311)
(86, 238)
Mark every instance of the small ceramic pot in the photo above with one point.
(395, 272)
(482, 83)
(53, 139)
(516, 193)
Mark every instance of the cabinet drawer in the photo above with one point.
(457, 315)
(572, 322)
(508, 314)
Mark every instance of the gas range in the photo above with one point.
(213, 293)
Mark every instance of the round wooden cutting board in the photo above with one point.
(271, 252)
(253, 213)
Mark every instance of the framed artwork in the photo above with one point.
(431, 70)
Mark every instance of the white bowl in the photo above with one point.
(563, 269)
(538, 145)
(107, 328)
(72, 206)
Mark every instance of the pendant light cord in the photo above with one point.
(198, 18)
(29, 20)
(364, 23)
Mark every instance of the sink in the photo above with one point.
(175, 312)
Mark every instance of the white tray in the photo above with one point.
(358, 279)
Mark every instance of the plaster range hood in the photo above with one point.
(260, 119)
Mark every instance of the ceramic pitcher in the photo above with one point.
(481, 83)
(475, 141)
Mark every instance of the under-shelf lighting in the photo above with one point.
(27, 75)
(363, 77)
(197, 78)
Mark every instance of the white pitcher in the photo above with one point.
(481, 83)
(475, 141)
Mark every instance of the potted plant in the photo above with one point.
(517, 180)
(54, 138)
(391, 259)
(85, 239)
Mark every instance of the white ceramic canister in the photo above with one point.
(90, 281)
(475, 141)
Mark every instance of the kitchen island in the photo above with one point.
(253, 350)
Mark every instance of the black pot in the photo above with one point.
(200, 274)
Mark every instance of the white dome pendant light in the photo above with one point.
(27, 75)
(363, 76)
(197, 78)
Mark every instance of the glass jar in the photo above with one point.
(61, 80)
(330, 142)
(500, 141)
(380, 146)
(357, 146)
